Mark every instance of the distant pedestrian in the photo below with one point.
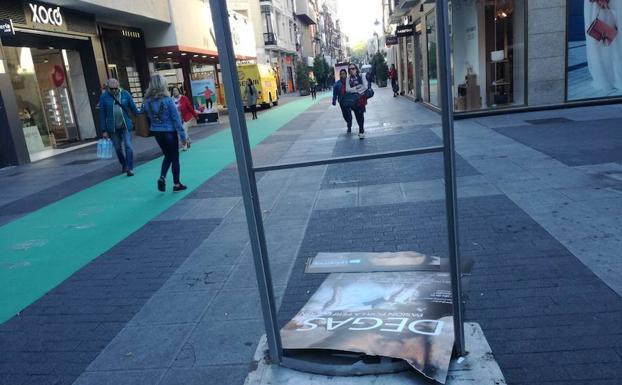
(208, 97)
(313, 88)
(339, 91)
(167, 128)
(186, 112)
(115, 104)
(356, 85)
(251, 98)
(393, 77)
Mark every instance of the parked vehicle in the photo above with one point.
(264, 80)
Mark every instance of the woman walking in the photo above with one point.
(356, 85)
(167, 128)
(186, 112)
(251, 98)
(339, 91)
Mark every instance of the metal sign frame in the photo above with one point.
(247, 172)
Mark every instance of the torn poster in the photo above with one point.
(406, 315)
(359, 262)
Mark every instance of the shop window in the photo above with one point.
(488, 53)
(594, 69)
(45, 104)
(432, 54)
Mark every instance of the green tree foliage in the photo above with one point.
(379, 68)
(359, 53)
(302, 77)
(322, 71)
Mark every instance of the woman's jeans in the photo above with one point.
(123, 138)
(169, 143)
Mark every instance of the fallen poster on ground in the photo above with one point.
(358, 262)
(405, 315)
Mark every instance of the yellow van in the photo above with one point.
(264, 79)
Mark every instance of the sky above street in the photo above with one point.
(358, 17)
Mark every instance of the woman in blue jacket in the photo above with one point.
(114, 120)
(167, 128)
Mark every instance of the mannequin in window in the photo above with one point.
(604, 59)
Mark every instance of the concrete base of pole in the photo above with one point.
(478, 367)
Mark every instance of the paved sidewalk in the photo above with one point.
(182, 308)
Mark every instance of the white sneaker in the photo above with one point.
(185, 147)
(361, 135)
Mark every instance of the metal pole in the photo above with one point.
(444, 53)
(220, 18)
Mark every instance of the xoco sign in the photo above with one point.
(45, 14)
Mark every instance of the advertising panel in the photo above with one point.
(405, 315)
(594, 49)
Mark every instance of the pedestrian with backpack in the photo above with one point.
(115, 105)
(167, 128)
(355, 86)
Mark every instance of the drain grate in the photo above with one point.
(549, 121)
(80, 161)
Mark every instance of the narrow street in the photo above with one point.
(108, 281)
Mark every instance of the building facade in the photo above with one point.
(509, 54)
(55, 58)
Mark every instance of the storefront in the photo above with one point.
(194, 67)
(126, 58)
(489, 54)
(49, 76)
(593, 67)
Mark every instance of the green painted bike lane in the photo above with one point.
(42, 249)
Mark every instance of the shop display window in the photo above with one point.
(593, 67)
(44, 100)
(432, 54)
(489, 59)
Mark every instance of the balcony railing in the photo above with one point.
(269, 38)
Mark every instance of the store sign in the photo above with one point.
(130, 34)
(390, 40)
(6, 27)
(45, 14)
(405, 30)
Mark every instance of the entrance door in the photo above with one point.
(54, 90)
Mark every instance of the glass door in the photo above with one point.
(55, 95)
(432, 58)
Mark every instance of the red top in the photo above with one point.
(393, 74)
(186, 109)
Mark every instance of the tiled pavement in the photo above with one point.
(133, 316)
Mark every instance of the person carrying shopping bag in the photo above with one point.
(167, 128)
(115, 104)
(186, 112)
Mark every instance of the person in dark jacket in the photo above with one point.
(115, 104)
(339, 90)
(251, 98)
(393, 77)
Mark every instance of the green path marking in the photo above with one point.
(42, 249)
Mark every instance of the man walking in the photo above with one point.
(114, 106)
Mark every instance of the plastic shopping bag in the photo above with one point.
(104, 149)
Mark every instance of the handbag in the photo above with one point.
(350, 100)
(141, 125)
(601, 31)
(369, 93)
